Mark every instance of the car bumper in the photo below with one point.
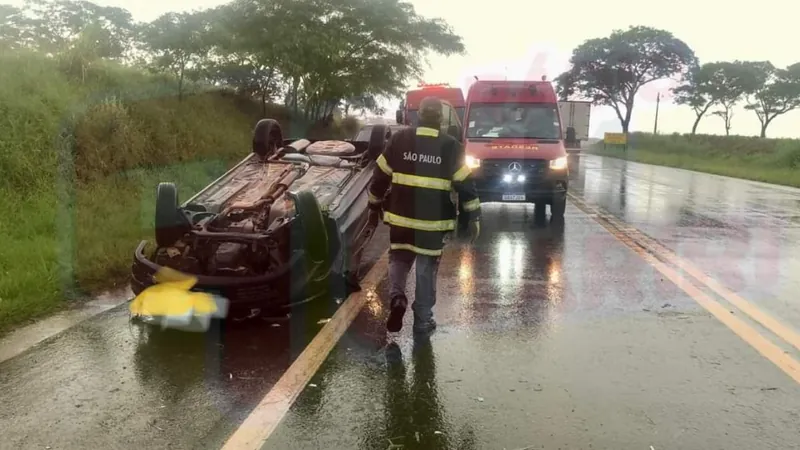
(290, 285)
(546, 189)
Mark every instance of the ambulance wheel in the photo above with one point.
(463, 221)
(558, 206)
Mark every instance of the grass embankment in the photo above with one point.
(80, 161)
(769, 160)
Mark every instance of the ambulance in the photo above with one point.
(514, 143)
(452, 98)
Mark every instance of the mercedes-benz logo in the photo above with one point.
(515, 167)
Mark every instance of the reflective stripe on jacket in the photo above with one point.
(419, 168)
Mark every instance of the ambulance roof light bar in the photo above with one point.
(432, 85)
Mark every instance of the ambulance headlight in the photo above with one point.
(559, 163)
(473, 162)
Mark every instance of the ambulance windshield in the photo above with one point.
(514, 120)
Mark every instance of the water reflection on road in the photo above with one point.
(744, 234)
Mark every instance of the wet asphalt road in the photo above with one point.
(550, 336)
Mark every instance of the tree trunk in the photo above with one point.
(764, 129)
(628, 113)
(264, 103)
(696, 123)
(180, 84)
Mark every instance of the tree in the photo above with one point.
(178, 42)
(611, 70)
(777, 92)
(697, 91)
(363, 104)
(15, 29)
(731, 81)
(58, 26)
(325, 51)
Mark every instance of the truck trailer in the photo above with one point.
(575, 115)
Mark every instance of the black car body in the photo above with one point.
(284, 226)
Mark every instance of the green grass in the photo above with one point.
(774, 161)
(80, 161)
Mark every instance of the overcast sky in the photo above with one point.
(524, 38)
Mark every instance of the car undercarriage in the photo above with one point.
(284, 226)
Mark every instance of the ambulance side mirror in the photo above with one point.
(455, 131)
(398, 116)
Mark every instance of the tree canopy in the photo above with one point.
(775, 92)
(611, 70)
(313, 54)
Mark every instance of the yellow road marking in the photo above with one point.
(749, 334)
(262, 421)
(783, 331)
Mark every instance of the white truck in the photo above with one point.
(575, 116)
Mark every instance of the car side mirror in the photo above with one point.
(398, 116)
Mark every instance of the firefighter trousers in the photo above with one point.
(427, 268)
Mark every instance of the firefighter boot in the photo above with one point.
(398, 306)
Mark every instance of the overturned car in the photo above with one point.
(286, 225)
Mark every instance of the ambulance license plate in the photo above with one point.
(514, 197)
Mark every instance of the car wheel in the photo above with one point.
(558, 206)
(171, 224)
(377, 141)
(313, 231)
(267, 137)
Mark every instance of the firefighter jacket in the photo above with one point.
(418, 170)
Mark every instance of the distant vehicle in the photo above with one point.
(575, 115)
(514, 144)
(274, 230)
(408, 114)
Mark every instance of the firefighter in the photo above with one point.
(420, 166)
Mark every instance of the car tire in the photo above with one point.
(558, 206)
(170, 224)
(267, 137)
(313, 228)
(377, 141)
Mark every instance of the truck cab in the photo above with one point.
(514, 144)
(453, 98)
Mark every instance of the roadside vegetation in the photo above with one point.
(774, 161)
(97, 109)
